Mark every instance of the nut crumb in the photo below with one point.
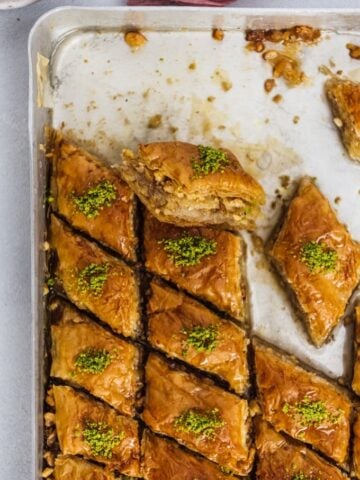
(354, 51)
(277, 98)
(210, 98)
(226, 85)
(338, 122)
(155, 121)
(337, 200)
(192, 66)
(296, 119)
(269, 84)
(218, 34)
(284, 181)
(135, 39)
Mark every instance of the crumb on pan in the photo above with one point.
(277, 98)
(218, 34)
(155, 121)
(269, 84)
(299, 33)
(135, 39)
(354, 50)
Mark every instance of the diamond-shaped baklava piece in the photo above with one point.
(75, 468)
(318, 260)
(93, 197)
(94, 280)
(303, 404)
(207, 263)
(89, 428)
(344, 98)
(280, 458)
(88, 356)
(164, 459)
(198, 414)
(183, 328)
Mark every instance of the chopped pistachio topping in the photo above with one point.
(318, 257)
(95, 199)
(311, 412)
(93, 360)
(300, 476)
(188, 250)
(101, 438)
(92, 278)
(202, 339)
(199, 422)
(210, 160)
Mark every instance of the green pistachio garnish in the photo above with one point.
(311, 412)
(93, 360)
(188, 250)
(199, 422)
(210, 160)
(300, 476)
(202, 339)
(92, 278)
(318, 257)
(95, 199)
(101, 438)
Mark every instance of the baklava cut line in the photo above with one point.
(94, 280)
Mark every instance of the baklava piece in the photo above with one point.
(75, 468)
(94, 280)
(183, 328)
(88, 356)
(356, 445)
(95, 431)
(165, 460)
(93, 197)
(344, 98)
(302, 404)
(193, 185)
(205, 262)
(198, 414)
(280, 458)
(356, 376)
(318, 259)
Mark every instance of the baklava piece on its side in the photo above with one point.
(280, 458)
(95, 431)
(344, 98)
(184, 329)
(198, 414)
(94, 280)
(303, 404)
(318, 260)
(193, 185)
(163, 460)
(86, 355)
(75, 468)
(93, 197)
(207, 263)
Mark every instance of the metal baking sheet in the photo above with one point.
(86, 80)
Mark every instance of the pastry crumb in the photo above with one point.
(155, 121)
(277, 98)
(354, 50)
(135, 39)
(218, 34)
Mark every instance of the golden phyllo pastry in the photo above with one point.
(94, 280)
(303, 404)
(75, 468)
(280, 458)
(344, 98)
(95, 431)
(318, 259)
(88, 356)
(356, 376)
(93, 197)
(207, 263)
(185, 329)
(198, 414)
(164, 460)
(193, 185)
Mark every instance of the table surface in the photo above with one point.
(15, 305)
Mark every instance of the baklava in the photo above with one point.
(356, 375)
(94, 280)
(183, 328)
(302, 404)
(93, 197)
(163, 459)
(97, 432)
(280, 458)
(356, 445)
(207, 263)
(75, 468)
(193, 185)
(198, 414)
(344, 98)
(318, 260)
(88, 356)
